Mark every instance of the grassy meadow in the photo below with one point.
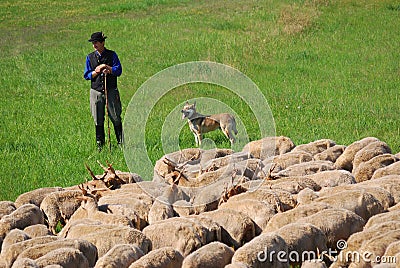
(329, 69)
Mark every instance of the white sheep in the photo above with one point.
(10, 254)
(65, 257)
(315, 147)
(120, 256)
(306, 168)
(305, 239)
(269, 146)
(14, 236)
(22, 217)
(345, 161)
(366, 170)
(104, 237)
(237, 227)
(182, 234)
(393, 169)
(59, 206)
(213, 255)
(6, 207)
(290, 216)
(37, 251)
(266, 250)
(166, 257)
(336, 224)
(259, 211)
(35, 196)
(331, 153)
(368, 152)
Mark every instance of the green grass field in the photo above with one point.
(329, 69)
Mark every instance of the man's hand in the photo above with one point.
(100, 68)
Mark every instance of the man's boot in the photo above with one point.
(119, 134)
(100, 137)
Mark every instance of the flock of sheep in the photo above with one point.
(272, 205)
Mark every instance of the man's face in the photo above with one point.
(99, 46)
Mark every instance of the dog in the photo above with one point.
(200, 124)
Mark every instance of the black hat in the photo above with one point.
(97, 36)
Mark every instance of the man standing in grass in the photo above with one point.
(104, 65)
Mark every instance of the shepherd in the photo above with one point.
(102, 68)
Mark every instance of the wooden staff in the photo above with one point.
(107, 117)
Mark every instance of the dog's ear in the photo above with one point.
(194, 104)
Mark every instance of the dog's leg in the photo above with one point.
(228, 133)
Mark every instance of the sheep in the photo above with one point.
(269, 146)
(395, 207)
(6, 207)
(392, 249)
(14, 236)
(331, 153)
(65, 257)
(37, 230)
(238, 228)
(366, 169)
(104, 237)
(345, 160)
(237, 265)
(140, 203)
(234, 158)
(89, 204)
(182, 208)
(266, 250)
(306, 168)
(165, 257)
(123, 211)
(260, 212)
(377, 247)
(306, 196)
(360, 202)
(390, 183)
(120, 256)
(290, 216)
(183, 235)
(207, 198)
(392, 169)
(336, 224)
(356, 240)
(59, 207)
(10, 254)
(379, 192)
(292, 185)
(214, 230)
(37, 251)
(35, 196)
(25, 263)
(281, 199)
(368, 152)
(305, 239)
(283, 161)
(180, 157)
(384, 217)
(332, 178)
(315, 147)
(160, 210)
(213, 255)
(23, 216)
(313, 264)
